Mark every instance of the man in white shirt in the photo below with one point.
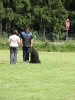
(14, 40)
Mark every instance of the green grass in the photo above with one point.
(45, 81)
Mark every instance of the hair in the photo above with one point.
(28, 28)
(15, 32)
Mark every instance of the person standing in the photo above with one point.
(14, 40)
(27, 43)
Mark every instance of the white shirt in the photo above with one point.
(14, 40)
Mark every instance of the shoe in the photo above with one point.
(27, 61)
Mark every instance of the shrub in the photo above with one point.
(68, 46)
(42, 44)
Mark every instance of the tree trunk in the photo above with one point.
(44, 29)
(0, 26)
(41, 27)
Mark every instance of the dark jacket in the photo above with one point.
(26, 38)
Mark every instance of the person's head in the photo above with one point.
(15, 32)
(27, 29)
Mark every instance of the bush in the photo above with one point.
(68, 46)
(65, 46)
(46, 46)
(42, 44)
(4, 43)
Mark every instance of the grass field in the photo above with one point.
(53, 79)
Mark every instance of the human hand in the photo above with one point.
(31, 45)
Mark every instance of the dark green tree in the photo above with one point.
(51, 15)
(70, 7)
(1, 14)
(42, 15)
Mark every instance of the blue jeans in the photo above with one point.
(26, 51)
(13, 55)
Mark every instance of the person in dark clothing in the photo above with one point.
(27, 42)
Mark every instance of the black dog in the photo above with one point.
(34, 57)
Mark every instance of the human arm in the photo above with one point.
(31, 43)
(18, 41)
(9, 39)
(21, 42)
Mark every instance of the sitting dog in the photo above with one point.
(34, 57)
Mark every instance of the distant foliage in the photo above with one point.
(41, 15)
(42, 44)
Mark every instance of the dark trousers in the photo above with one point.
(26, 51)
(13, 55)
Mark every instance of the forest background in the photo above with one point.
(47, 18)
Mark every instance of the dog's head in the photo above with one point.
(32, 49)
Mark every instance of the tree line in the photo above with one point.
(41, 15)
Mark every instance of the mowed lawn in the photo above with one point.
(53, 79)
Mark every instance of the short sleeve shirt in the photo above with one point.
(14, 40)
(26, 38)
